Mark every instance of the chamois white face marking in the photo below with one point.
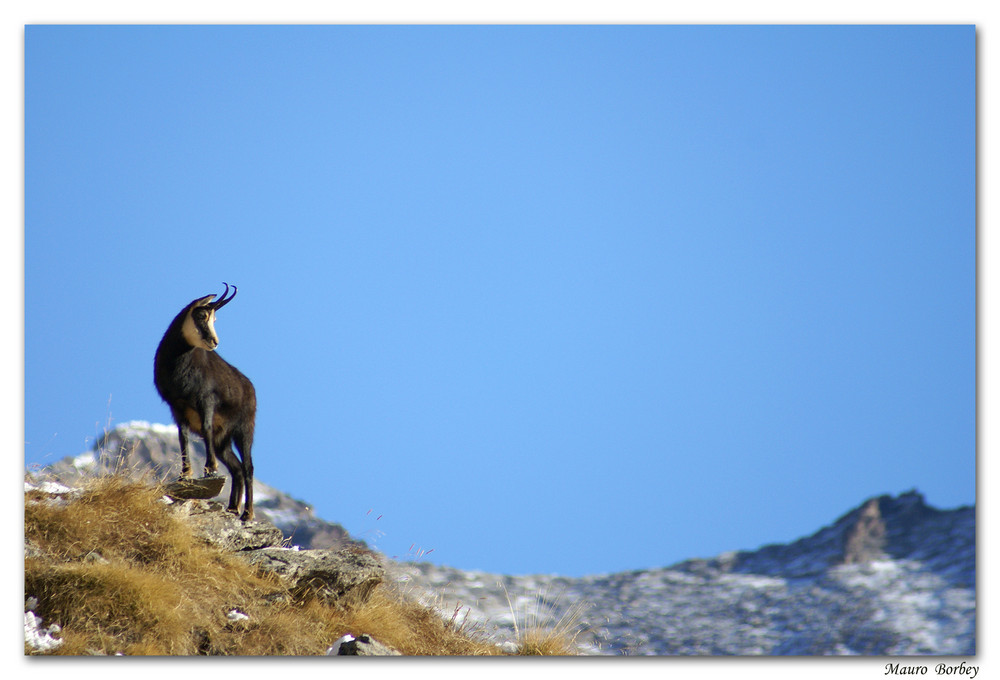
(199, 325)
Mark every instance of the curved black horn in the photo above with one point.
(223, 301)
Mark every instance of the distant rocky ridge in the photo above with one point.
(894, 577)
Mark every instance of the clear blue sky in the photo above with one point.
(543, 299)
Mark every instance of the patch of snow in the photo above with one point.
(159, 428)
(283, 519)
(47, 487)
(38, 638)
(261, 493)
(139, 427)
(236, 615)
(753, 581)
(85, 461)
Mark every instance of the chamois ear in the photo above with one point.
(203, 302)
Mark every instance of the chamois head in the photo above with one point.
(199, 322)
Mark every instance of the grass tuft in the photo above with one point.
(535, 636)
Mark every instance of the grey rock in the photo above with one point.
(31, 550)
(508, 647)
(345, 576)
(95, 557)
(214, 524)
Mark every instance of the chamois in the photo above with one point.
(208, 396)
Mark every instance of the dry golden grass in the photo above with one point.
(121, 574)
(537, 637)
(559, 640)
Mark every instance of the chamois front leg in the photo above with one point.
(182, 434)
(211, 461)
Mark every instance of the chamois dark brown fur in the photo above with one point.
(208, 396)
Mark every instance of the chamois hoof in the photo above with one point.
(210, 473)
(246, 517)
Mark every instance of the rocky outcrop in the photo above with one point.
(214, 524)
(343, 576)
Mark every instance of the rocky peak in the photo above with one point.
(865, 539)
(903, 527)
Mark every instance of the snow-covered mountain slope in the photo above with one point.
(893, 576)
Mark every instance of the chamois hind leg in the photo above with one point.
(243, 443)
(232, 463)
